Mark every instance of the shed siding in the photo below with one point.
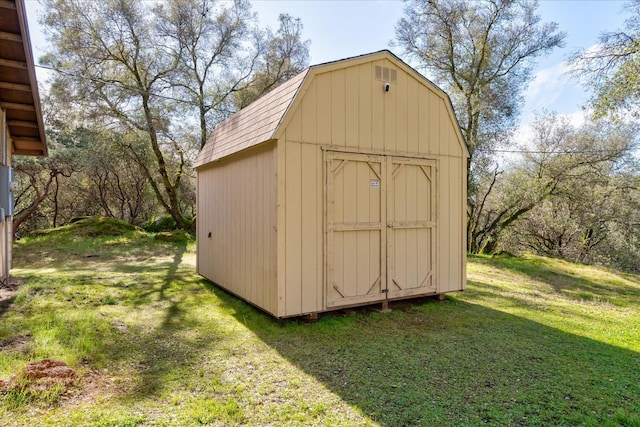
(303, 230)
(237, 205)
(348, 109)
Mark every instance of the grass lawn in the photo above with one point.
(531, 342)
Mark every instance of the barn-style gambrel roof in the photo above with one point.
(260, 121)
(18, 86)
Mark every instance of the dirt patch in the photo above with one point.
(39, 377)
(47, 369)
(77, 388)
(98, 385)
(17, 344)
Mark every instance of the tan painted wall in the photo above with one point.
(6, 227)
(347, 109)
(237, 205)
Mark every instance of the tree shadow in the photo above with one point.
(457, 363)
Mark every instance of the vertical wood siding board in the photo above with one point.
(435, 214)
(257, 190)
(228, 233)
(204, 218)
(362, 175)
(352, 101)
(236, 267)
(446, 129)
(463, 203)
(389, 211)
(200, 250)
(272, 228)
(271, 254)
(338, 107)
(454, 254)
(322, 84)
(262, 191)
(339, 261)
(217, 233)
(328, 210)
(259, 279)
(228, 241)
(445, 221)
(349, 203)
(364, 106)
(375, 217)
(263, 220)
(413, 109)
(434, 140)
(402, 113)
(294, 128)
(308, 115)
(220, 233)
(294, 228)
(390, 142)
(228, 230)
(247, 244)
(247, 235)
(240, 263)
(214, 220)
(309, 216)
(406, 205)
(362, 267)
(377, 112)
(233, 230)
(336, 215)
(281, 229)
(423, 120)
(412, 250)
(320, 221)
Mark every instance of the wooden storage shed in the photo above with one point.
(344, 186)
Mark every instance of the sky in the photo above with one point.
(341, 29)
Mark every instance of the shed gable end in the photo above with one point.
(378, 105)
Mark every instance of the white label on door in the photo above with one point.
(374, 182)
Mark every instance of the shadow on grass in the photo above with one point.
(152, 350)
(170, 347)
(457, 363)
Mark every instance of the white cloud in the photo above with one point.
(548, 88)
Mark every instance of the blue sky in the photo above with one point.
(340, 29)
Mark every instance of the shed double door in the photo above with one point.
(380, 228)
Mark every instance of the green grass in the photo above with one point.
(531, 342)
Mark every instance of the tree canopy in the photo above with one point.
(165, 73)
(482, 54)
(612, 67)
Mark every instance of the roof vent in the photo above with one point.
(385, 74)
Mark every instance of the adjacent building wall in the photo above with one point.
(6, 226)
